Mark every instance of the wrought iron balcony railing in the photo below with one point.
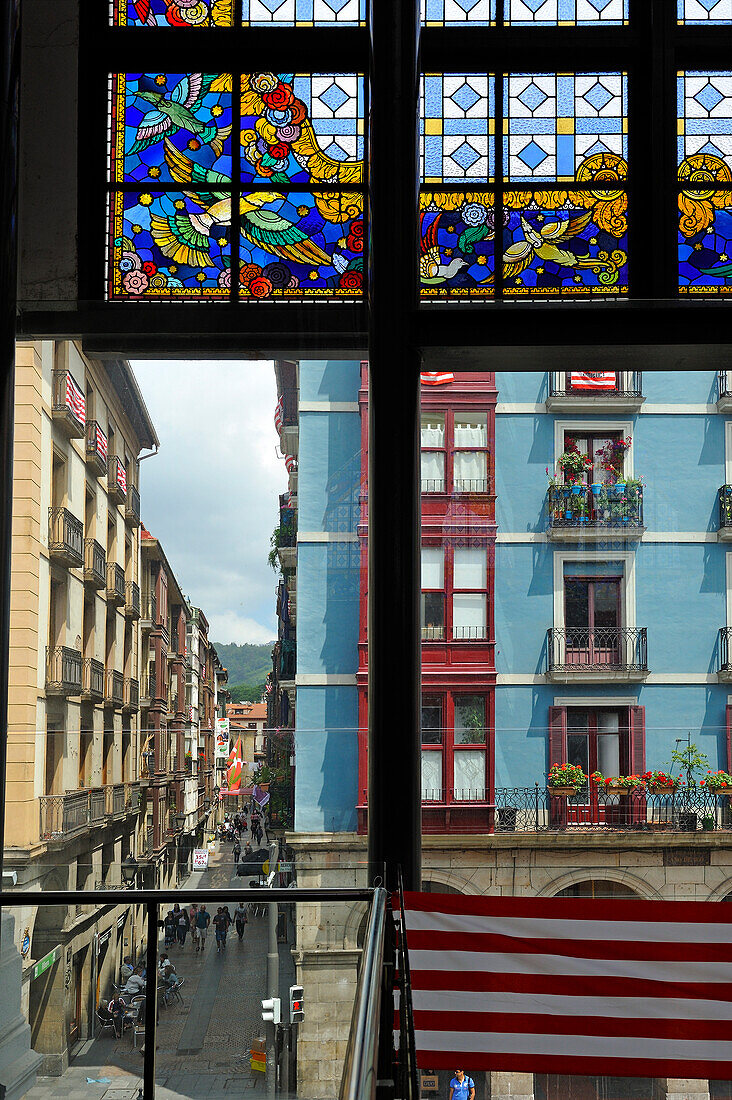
(433, 633)
(597, 651)
(115, 584)
(581, 511)
(131, 694)
(469, 633)
(69, 404)
(725, 512)
(432, 485)
(148, 610)
(65, 537)
(63, 670)
(92, 683)
(148, 688)
(132, 601)
(97, 448)
(95, 564)
(596, 385)
(132, 506)
(724, 386)
(63, 815)
(113, 688)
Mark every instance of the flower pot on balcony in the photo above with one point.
(617, 788)
(568, 514)
(563, 792)
(619, 488)
(596, 488)
(708, 823)
(576, 489)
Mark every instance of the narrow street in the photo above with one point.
(204, 1044)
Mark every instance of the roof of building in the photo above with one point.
(253, 711)
(122, 377)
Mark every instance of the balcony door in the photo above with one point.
(593, 444)
(597, 740)
(592, 620)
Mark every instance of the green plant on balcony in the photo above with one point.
(281, 536)
(566, 776)
(614, 783)
(691, 760)
(573, 463)
(717, 782)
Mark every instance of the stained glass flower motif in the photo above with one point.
(457, 245)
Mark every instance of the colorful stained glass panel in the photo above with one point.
(559, 245)
(704, 11)
(565, 13)
(704, 111)
(167, 245)
(555, 121)
(170, 127)
(705, 242)
(299, 245)
(302, 128)
(172, 13)
(456, 13)
(457, 127)
(457, 245)
(303, 13)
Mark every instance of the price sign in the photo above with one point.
(200, 859)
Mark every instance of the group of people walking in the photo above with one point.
(231, 828)
(196, 919)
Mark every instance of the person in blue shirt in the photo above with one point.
(462, 1087)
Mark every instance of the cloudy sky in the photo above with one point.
(210, 495)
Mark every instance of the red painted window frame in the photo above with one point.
(448, 747)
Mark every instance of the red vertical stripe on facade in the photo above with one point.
(637, 729)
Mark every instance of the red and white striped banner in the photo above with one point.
(599, 380)
(570, 986)
(436, 378)
(121, 476)
(279, 413)
(290, 463)
(101, 443)
(75, 399)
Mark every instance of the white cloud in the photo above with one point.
(211, 494)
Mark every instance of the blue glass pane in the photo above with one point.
(457, 123)
(573, 13)
(456, 13)
(704, 11)
(457, 244)
(704, 112)
(304, 13)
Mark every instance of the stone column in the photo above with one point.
(513, 1086)
(685, 1088)
(18, 1063)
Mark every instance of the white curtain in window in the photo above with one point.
(433, 431)
(471, 466)
(469, 779)
(468, 615)
(433, 466)
(471, 429)
(470, 565)
(433, 559)
(608, 742)
(432, 775)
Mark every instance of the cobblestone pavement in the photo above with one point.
(222, 1031)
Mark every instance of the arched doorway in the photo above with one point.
(597, 888)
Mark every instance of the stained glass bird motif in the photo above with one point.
(177, 113)
(545, 242)
(431, 268)
(184, 237)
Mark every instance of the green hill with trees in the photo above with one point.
(247, 666)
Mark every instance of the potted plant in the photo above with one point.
(611, 458)
(616, 784)
(574, 464)
(718, 783)
(565, 779)
(659, 782)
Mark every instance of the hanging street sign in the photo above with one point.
(46, 963)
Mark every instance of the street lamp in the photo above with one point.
(180, 820)
(129, 870)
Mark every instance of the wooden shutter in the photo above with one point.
(728, 723)
(637, 740)
(557, 735)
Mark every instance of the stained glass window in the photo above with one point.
(565, 13)
(456, 13)
(295, 174)
(704, 11)
(304, 13)
(560, 217)
(172, 13)
(704, 156)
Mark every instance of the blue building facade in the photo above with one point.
(328, 577)
(662, 580)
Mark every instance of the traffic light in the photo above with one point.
(297, 1004)
(272, 1010)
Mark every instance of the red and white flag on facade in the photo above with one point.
(597, 380)
(569, 986)
(121, 476)
(279, 413)
(436, 378)
(75, 399)
(101, 443)
(290, 463)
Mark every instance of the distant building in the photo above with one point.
(249, 721)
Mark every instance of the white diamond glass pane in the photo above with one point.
(555, 121)
(469, 569)
(704, 109)
(469, 769)
(468, 615)
(456, 13)
(304, 13)
(431, 776)
(336, 112)
(433, 558)
(705, 11)
(471, 429)
(456, 126)
(577, 13)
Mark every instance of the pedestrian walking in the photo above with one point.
(183, 925)
(240, 919)
(221, 925)
(202, 922)
(247, 851)
(237, 851)
(257, 832)
(170, 928)
(192, 915)
(462, 1087)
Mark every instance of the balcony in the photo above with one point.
(132, 601)
(65, 537)
(577, 514)
(724, 673)
(113, 688)
(115, 584)
(95, 564)
(97, 805)
(63, 671)
(69, 404)
(115, 798)
(724, 391)
(595, 391)
(132, 797)
(92, 680)
(97, 448)
(446, 811)
(433, 633)
(131, 694)
(132, 507)
(148, 611)
(601, 654)
(116, 480)
(289, 430)
(148, 689)
(63, 816)
(724, 534)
